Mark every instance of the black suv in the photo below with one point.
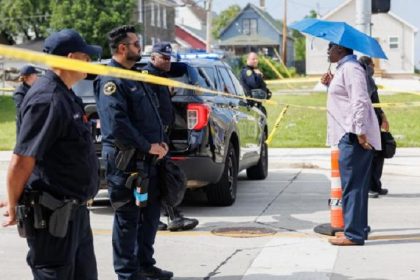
(214, 137)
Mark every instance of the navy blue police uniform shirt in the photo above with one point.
(19, 94)
(128, 113)
(166, 110)
(55, 131)
(251, 80)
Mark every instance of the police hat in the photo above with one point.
(28, 70)
(68, 41)
(163, 48)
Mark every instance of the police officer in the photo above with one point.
(159, 65)
(28, 76)
(54, 158)
(252, 77)
(130, 119)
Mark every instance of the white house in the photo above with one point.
(395, 35)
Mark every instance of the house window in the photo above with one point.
(249, 26)
(165, 24)
(159, 23)
(152, 14)
(140, 10)
(394, 42)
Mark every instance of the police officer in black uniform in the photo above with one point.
(28, 76)
(54, 170)
(130, 120)
(159, 65)
(252, 78)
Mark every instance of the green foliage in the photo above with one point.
(7, 123)
(24, 17)
(93, 19)
(223, 19)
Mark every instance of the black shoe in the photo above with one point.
(383, 192)
(182, 223)
(155, 272)
(373, 194)
(162, 226)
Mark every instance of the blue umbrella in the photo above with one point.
(342, 34)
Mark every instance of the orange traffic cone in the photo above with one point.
(337, 220)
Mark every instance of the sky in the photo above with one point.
(297, 9)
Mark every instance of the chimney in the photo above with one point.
(262, 5)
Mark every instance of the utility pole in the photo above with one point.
(284, 43)
(208, 25)
(363, 16)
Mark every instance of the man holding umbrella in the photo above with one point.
(352, 123)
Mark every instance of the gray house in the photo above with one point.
(253, 29)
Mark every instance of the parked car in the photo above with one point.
(214, 137)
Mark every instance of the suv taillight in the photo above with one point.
(197, 115)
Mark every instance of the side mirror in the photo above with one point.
(258, 94)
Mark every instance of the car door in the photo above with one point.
(240, 114)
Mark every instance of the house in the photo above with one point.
(254, 29)
(157, 20)
(395, 35)
(191, 24)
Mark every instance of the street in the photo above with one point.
(269, 231)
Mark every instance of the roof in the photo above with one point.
(200, 34)
(197, 10)
(276, 24)
(347, 2)
(244, 40)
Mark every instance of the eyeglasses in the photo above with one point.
(136, 44)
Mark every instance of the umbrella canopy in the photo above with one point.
(342, 34)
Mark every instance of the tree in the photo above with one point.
(223, 19)
(300, 41)
(93, 19)
(24, 17)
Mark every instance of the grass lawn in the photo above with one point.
(7, 123)
(299, 127)
(307, 127)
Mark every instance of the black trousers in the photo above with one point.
(377, 167)
(68, 258)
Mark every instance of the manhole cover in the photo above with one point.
(243, 232)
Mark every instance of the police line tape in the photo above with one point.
(7, 89)
(97, 69)
(292, 81)
(276, 125)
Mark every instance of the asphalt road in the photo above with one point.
(286, 207)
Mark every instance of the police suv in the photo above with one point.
(214, 136)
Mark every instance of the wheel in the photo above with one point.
(260, 171)
(223, 193)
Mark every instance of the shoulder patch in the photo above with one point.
(144, 71)
(110, 88)
(248, 72)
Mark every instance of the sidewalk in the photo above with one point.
(392, 251)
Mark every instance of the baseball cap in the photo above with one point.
(163, 48)
(28, 70)
(67, 41)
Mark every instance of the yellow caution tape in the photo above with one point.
(293, 80)
(397, 104)
(7, 89)
(61, 62)
(272, 67)
(276, 125)
(393, 89)
(282, 63)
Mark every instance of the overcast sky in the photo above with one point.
(297, 9)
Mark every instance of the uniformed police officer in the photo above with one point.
(28, 76)
(55, 168)
(130, 120)
(159, 65)
(252, 77)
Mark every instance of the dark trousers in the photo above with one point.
(355, 170)
(68, 258)
(133, 236)
(377, 167)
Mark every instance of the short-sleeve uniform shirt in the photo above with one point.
(55, 131)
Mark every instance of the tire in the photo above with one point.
(260, 171)
(223, 193)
